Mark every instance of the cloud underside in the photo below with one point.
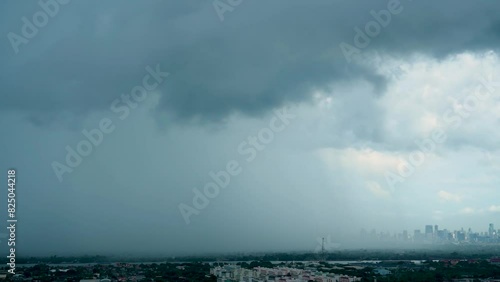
(261, 56)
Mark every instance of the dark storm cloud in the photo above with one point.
(262, 55)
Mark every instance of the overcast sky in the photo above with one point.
(318, 108)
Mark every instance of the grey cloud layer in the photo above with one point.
(262, 55)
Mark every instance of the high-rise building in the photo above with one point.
(428, 230)
(442, 234)
(491, 230)
(436, 229)
(460, 236)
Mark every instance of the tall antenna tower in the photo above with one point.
(323, 248)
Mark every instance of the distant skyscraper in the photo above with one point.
(428, 229)
(491, 230)
(436, 229)
(442, 234)
(461, 236)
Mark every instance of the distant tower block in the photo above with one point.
(323, 248)
(428, 231)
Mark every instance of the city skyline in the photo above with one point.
(434, 226)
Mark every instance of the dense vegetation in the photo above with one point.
(148, 272)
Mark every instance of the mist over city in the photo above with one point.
(196, 129)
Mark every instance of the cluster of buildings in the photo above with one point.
(276, 274)
(432, 234)
(84, 273)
